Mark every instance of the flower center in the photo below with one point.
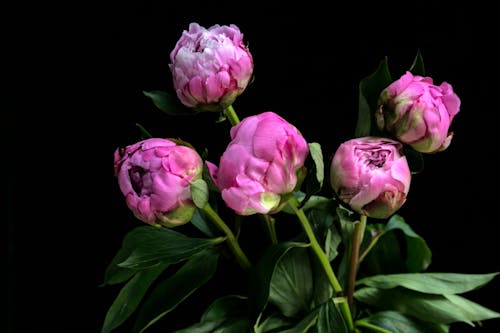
(376, 159)
(136, 173)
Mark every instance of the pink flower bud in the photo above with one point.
(418, 113)
(260, 164)
(154, 176)
(371, 175)
(210, 67)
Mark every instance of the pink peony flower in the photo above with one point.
(154, 176)
(260, 164)
(371, 175)
(210, 67)
(418, 113)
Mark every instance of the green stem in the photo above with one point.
(231, 115)
(371, 327)
(320, 254)
(370, 246)
(231, 239)
(270, 223)
(359, 230)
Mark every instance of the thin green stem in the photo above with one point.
(231, 239)
(371, 327)
(231, 115)
(359, 230)
(370, 246)
(270, 223)
(321, 255)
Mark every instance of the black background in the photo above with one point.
(73, 93)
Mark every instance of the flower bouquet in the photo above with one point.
(333, 255)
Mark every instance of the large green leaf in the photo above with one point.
(386, 256)
(419, 254)
(439, 309)
(174, 290)
(305, 324)
(387, 249)
(261, 274)
(238, 325)
(227, 306)
(273, 323)
(199, 220)
(291, 284)
(431, 283)
(168, 103)
(369, 90)
(347, 222)
(151, 245)
(228, 314)
(396, 322)
(330, 319)
(115, 274)
(314, 202)
(130, 296)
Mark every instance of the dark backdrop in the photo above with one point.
(75, 76)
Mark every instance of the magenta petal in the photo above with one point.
(212, 170)
(196, 88)
(214, 89)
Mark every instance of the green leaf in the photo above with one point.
(199, 193)
(261, 274)
(169, 104)
(305, 324)
(174, 290)
(202, 327)
(439, 309)
(318, 202)
(332, 242)
(431, 283)
(395, 322)
(291, 284)
(315, 174)
(323, 290)
(130, 296)
(314, 202)
(330, 319)
(386, 256)
(273, 323)
(317, 156)
(417, 67)
(347, 222)
(419, 254)
(226, 314)
(144, 133)
(199, 220)
(241, 325)
(227, 306)
(151, 245)
(115, 274)
(369, 90)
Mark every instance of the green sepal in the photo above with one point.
(169, 104)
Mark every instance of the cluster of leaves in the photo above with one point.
(287, 290)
